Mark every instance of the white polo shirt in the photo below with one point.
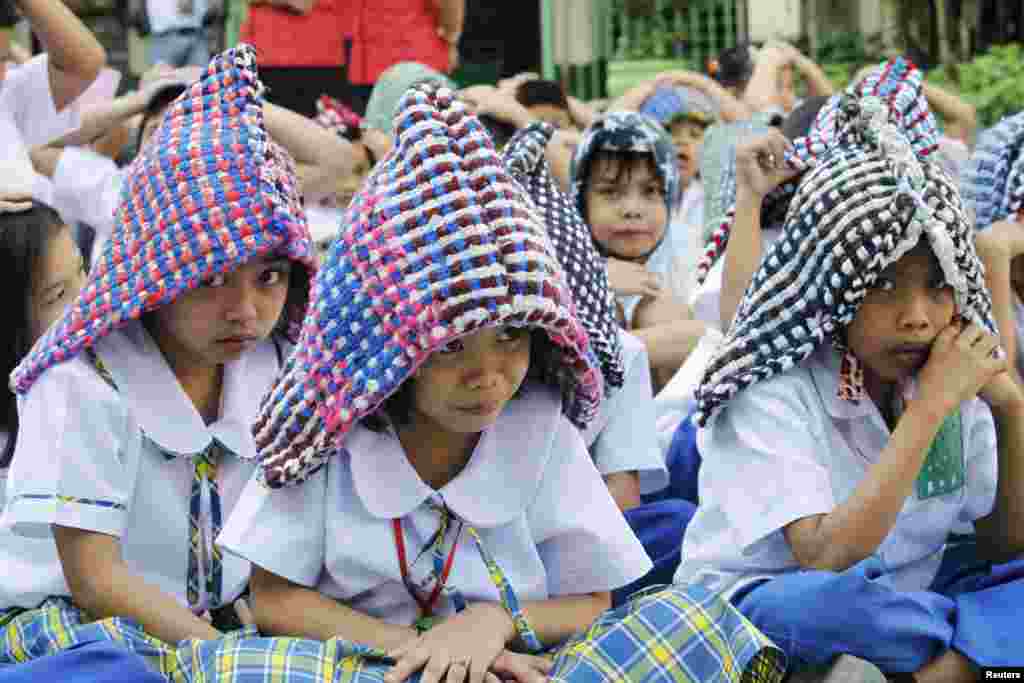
(87, 189)
(92, 458)
(789, 448)
(28, 116)
(530, 489)
(622, 436)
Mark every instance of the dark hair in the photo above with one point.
(8, 15)
(24, 238)
(296, 300)
(499, 131)
(538, 92)
(798, 123)
(156, 106)
(397, 408)
(735, 66)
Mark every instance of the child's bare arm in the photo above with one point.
(759, 169)
(960, 364)
(732, 108)
(960, 118)
(558, 619)
(997, 247)
(103, 585)
(75, 56)
(762, 91)
(283, 608)
(321, 156)
(625, 489)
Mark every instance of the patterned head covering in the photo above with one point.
(898, 83)
(335, 116)
(441, 242)
(382, 108)
(584, 268)
(867, 201)
(626, 132)
(208, 194)
(993, 182)
(669, 104)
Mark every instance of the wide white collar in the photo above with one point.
(166, 414)
(499, 482)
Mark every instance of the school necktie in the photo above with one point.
(203, 551)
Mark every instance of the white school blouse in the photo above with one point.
(530, 490)
(622, 438)
(87, 189)
(93, 458)
(28, 117)
(788, 448)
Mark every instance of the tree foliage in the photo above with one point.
(992, 81)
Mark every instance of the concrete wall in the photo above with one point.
(774, 19)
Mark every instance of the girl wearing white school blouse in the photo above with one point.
(42, 270)
(134, 406)
(859, 412)
(426, 504)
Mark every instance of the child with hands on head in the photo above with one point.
(626, 185)
(857, 413)
(426, 503)
(135, 405)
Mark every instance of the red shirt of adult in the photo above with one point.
(386, 32)
(289, 39)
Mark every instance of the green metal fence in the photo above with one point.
(689, 30)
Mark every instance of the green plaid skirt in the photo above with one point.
(673, 634)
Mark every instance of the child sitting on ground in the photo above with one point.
(857, 413)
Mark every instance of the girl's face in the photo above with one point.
(900, 317)
(60, 277)
(224, 317)
(462, 388)
(687, 137)
(626, 209)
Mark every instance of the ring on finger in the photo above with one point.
(464, 662)
(771, 160)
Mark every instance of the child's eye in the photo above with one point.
(883, 284)
(273, 276)
(56, 296)
(451, 347)
(510, 333)
(214, 281)
(654, 191)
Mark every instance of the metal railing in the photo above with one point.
(690, 30)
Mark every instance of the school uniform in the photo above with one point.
(120, 459)
(621, 437)
(790, 448)
(87, 189)
(28, 116)
(335, 534)
(549, 529)
(109, 442)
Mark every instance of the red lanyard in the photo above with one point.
(426, 606)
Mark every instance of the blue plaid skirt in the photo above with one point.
(666, 635)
